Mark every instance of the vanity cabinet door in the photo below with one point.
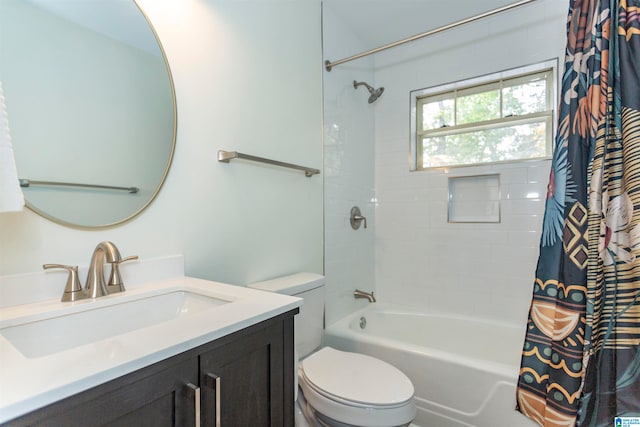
(168, 398)
(155, 396)
(244, 383)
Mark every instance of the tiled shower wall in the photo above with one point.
(468, 269)
(477, 269)
(349, 143)
(410, 254)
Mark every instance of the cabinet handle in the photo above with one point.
(213, 381)
(195, 390)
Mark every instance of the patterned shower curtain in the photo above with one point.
(581, 355)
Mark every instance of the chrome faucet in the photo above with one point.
(96, 286)
(366, 295)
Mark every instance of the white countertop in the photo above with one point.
(27, 384)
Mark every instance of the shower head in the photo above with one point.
(374, 94)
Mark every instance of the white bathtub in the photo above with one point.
(464, 370)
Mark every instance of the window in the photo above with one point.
(499, 118)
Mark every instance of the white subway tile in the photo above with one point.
(524, 191)
(539, 174)
(524, 239)
(523, 207)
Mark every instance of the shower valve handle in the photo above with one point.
(356, 218)
(361, 218)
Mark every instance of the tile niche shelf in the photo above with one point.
(474, 199)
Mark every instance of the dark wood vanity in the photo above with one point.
(242, 379)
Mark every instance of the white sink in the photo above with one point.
(103, 319)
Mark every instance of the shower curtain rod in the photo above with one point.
(329, 65)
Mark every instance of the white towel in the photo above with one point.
(11, 197)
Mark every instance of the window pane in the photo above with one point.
(437, 114)
(525, 98)
(478, 107)
(489, 145)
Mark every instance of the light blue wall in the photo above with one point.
(248, 78)
(56, 62)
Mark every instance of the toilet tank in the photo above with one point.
(309, 323)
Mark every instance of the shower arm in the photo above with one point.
(365, 84)
(374, 94)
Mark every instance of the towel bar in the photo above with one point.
(29, 182)
(226, 156)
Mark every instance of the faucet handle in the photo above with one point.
(73, 290)
(115, 279)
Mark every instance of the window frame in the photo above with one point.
(469, 86)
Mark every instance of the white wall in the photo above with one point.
(349, 143)
(248, 78)
(421, 260)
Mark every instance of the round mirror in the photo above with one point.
(91, 107)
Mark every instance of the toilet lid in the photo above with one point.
(357, 378)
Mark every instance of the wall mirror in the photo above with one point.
(91, 102)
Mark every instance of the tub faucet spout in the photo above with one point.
(366, 295)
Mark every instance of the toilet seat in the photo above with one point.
(356, 389)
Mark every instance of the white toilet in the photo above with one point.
(337, 388)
